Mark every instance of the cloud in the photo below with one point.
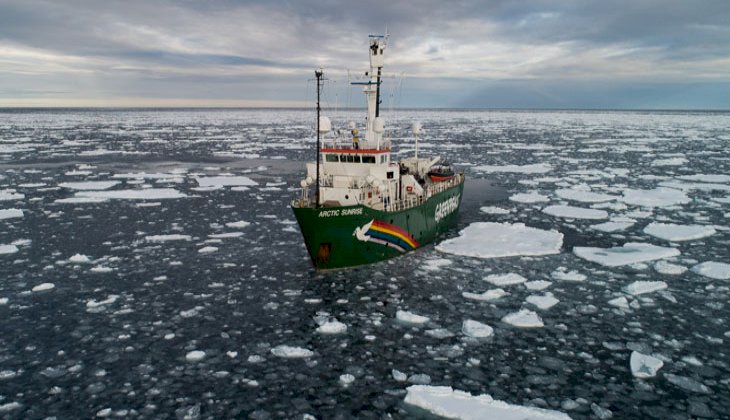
(261, 49)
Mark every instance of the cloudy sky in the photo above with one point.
(658, 54)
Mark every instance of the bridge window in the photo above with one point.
(357, 158)
(368, 159)
(330, 158)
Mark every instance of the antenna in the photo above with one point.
(318, 74)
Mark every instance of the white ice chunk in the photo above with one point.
(675, 233)
(108, 301)
(718, 178)
(436, 264)
(43, 286)
(505, 279)
(207, 250)
(543, 302)
(225, 181)
(525, 318)
(332, 327)
(644, 366)
(140, 194)
(79, 259)
(347, 379)
(411, 318)
(290, 352)
(88, 185)
(658, 197)
(167, 238)
(629, 253)
(528, 198)
(687, 384)
(493, 240)
(237, 225)
(493, 210)
(570, 212)
(536, 168)
(640, 287)
(195, 356)
(10, 195)
(619, 302)
(8, 249)
(538, 285)
(449, 403)
(572, 275)
(476, 329)
(713, 270)
(10, 213)
(675, 161)
(612, 226)
(486, 296)
(584, 196)
(665, 267)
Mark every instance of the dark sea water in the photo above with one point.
(178, 274)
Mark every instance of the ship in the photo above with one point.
(357, 205)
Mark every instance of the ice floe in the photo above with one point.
(711, 178)
(493, 210)
(137, 194)
(570, 212)
(493, 240)
(505, 279)
(613, 226)
(584, 196)
(195, 356)
(658, 197)
(79, 259)
(238, 225)
(644, 366)
(536, 168)
(225, 181)
(620, 302)
(89, 185)
(629, 253)
(641, 287)
(447, 402)
(688, 384)
(411, 318)
(714, 270)
(10, 195)
(574, 276)
(529, 198)
(476, 329)
(167, 238)
(43, 286)
(492, 294)
(676, 233)
(8, 249)
(524, 318)
(543, 302)
(664, 267)
(10, 214)
(332, 327)
(290, 352)
(538, 285)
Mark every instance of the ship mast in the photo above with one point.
(372, 89)
(318, 74)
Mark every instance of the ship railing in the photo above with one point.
(442, 186)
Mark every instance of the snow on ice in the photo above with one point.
(543, 302)
(641, 287)
(493, 294)
(290, 352)
(493, 240)
(10, 213)
(476, 329)
(583, 196)
(570, 212)
(644, 366)
(714, 270)
(537, 168)
(676, 233)
(524, 318)
(529, 198)
(658, 197)
(505, 279)
(411, 318)
(225, 181)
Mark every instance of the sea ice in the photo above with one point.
(195, 356)
(476, 329)
(629, 253)
(493, 210)
(612, 226)
(289, 352)
(10, 213)
(574, 276)
(570, 212)
(140, 194)
(88, 185)
(664, 267)
(449, 403)
(543, 302)
(538, 285)
(505, 279)
(675, 233)
(332, 327)
(619, 302)
(525, 318)
(687, 384)
(640, 287)
(10, 195)
(8, 249)
(537, 168)
(347, 379)
(718, 178)
(529, 198)
(675, 161)
(486, 296)
(79, 259)
(237, 225)
(207, 250)
(43, 286)
(167, 238)
(713, 270)
(658, 197)
(493, 240)
(225, 181)
(644, 366)
(584, 196)
(411, 318)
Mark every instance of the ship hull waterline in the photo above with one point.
(342, 237)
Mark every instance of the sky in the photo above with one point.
(634, 54)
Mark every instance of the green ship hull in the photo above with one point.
(339, 237)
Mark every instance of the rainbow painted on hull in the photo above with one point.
(386, 234)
